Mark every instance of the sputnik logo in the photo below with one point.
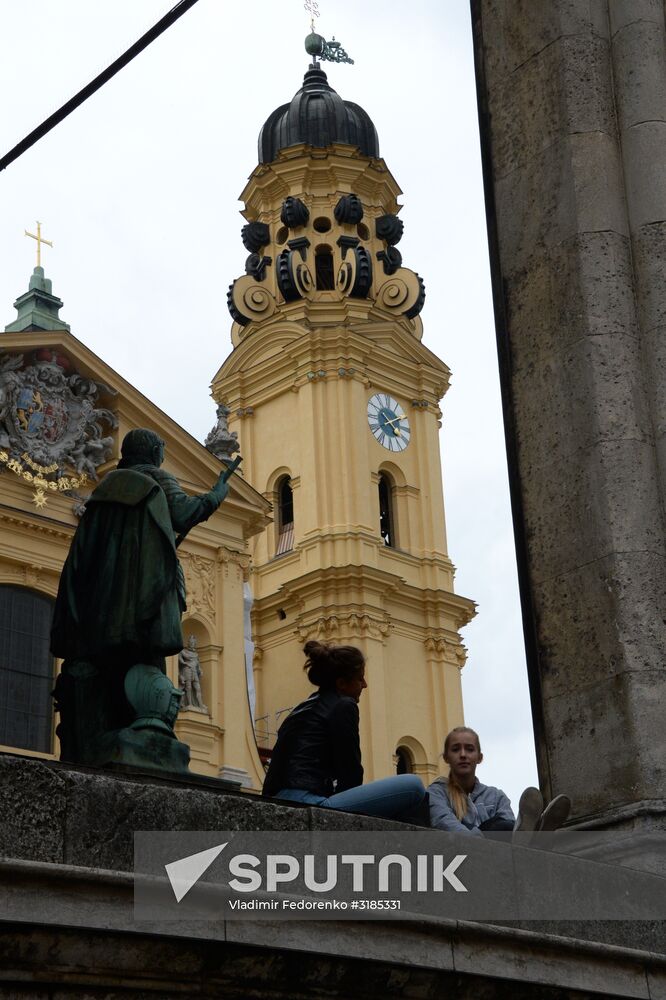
(431, 873)
(186, 872)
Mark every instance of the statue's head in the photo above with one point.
(141, 447)
(192, 641)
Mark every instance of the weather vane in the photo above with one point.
(316, 45)
(312, 8)
(40, 239)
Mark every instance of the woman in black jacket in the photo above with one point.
(317, 757)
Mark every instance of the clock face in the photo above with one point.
(388, 422)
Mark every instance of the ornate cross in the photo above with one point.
(40, 239)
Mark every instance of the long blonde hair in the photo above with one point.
(457, 794)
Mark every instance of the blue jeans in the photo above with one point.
(391, 798)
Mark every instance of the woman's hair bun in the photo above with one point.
(315, 649)
(326, 663)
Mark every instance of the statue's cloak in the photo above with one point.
(118, 591)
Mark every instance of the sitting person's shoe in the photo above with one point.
(530, 811)
(555, 814)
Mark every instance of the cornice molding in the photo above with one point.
(382, 356)
(438, 603)
(340, 169)
(43, 579)
(35, 522)
(226, 555)
(446, 647)
(333, 626)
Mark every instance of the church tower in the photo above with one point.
(336, 402)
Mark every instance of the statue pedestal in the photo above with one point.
(147, 748)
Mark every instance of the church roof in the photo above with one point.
(317, 116)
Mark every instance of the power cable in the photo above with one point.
(181, 8)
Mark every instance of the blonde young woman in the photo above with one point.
(460, 803)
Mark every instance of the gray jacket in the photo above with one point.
(485, 802)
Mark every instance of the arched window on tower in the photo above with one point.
(325, 277)
(285, 520)
(26, 669)
(386, 518)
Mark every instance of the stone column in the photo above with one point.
(575, 213)
(638, 48)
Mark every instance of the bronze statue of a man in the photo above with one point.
(121, 597)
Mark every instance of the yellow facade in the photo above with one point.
(34, 544)
(298, 383)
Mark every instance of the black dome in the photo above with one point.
(317, 116)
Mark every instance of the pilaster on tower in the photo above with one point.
(336, 402)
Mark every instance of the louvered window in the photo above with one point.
(26, 669)
(285, 542)
(386, 519)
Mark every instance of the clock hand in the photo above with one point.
(395, 420)
(394, 430)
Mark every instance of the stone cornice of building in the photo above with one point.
(428, 565)
(328, 622)
(442, 644)
(304, 354)
(302, 170)
(276, 563)
(197, 722)
(332, 309)
(43, 578)
(312, 543)
(445, 649)
(436, 560)
(328, 309)
(336, 582)
(343, 622)
(226, 555)
(255, 525)
(271, 640)
(389, 340)
(363, 535)
(437, 603)
(40, 523)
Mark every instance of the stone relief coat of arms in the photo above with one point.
(49, 417)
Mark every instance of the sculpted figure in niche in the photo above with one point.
(189, 676)
(118, 611)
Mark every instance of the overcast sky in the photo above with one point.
(138, 191)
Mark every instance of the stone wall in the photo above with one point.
(572, 99)
(67, 928)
